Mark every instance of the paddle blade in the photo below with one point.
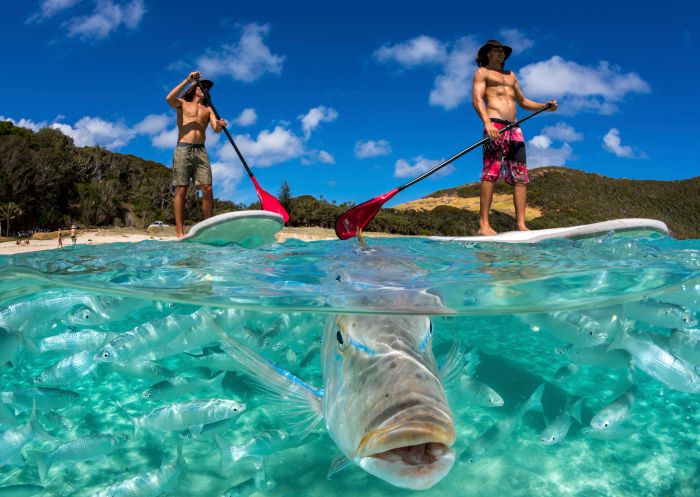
(347, 224)
(268, 202)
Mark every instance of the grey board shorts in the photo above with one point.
(191, 162)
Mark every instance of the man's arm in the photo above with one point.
(172, 97)
(528, 104)
(478, 93)
(216, 124)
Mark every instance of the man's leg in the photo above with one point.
(485, 200)
(207, 201)
(179, 208)
(519, 201)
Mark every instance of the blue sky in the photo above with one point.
(351, 99)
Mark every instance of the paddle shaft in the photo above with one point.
(228, 135)
(469, 149)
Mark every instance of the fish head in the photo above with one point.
(83, 315)
(602, 421)
(549, 436)
(384, 403)
(108, 353)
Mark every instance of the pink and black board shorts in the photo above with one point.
(505, 157)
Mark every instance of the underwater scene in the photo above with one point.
(408, 366)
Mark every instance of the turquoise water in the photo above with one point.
(521, 306)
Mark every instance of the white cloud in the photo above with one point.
(247, 117)
(26, 123)
(312, 119)
(541, 153)
(372, 148)
(247, 60)
(227, 176)
(165, 139)
(153, 124)
(613, 144)
(89, 131)
(269, 148)
(517, 40)
(562, 132)
(107, 17)
(49, 8)
(541, 141)
(597, 89)
(414, 52)
(403, 169)
(317, 156)
(453, 86)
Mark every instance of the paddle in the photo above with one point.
(267, 201)
(348, 223)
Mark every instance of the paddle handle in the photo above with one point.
(228, 135)
(470, 148)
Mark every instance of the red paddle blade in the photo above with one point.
(268, 202)
(347, 224)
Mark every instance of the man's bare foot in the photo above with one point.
(180, 235)
(522, 227)
(486, 231)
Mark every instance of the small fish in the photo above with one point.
(617, 411)
(21, 490)
(259, 483)
(599, 356)
(476, 391)
(263, 445)
(569, 327)
(492, 438)
(13, 440)
(140, 369)
(182, 385)
(54, 420)
(620, 431)
(149, 484)
(210, 429)
(81, 449)
(69, 370)
(44, 399)
(656, 361)
(557, 430)
(192, 414)
(74, 341)
(660, 314)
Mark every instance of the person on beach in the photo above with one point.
(73, 234)
(190, 160)
(494, 96)
(60, 238)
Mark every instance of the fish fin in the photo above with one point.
(576, 409)
(133, 419)
(36, 427)
(534, 403)
(215, 383)
(337, 465)
(228, 454)
(195, 429)
(452, 364)
(620, 341)
(473, 361)
(277, 384)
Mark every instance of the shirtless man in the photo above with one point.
(190, 161)
(504, 154)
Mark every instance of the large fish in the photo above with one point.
(383, 400)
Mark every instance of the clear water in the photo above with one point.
(278, 299)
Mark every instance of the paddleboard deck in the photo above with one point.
(249, 229)
(630, 227)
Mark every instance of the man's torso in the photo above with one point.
(500, 94)
(192, 121)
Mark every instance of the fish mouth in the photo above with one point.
(411, 455)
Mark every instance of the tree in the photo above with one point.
(285, 195)
(9, 211)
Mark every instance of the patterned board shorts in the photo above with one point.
(191, 162)
(505, 157)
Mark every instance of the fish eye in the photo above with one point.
(339, 337)
(74, 396)
(38, 379)
(235, 409)
(105, 355)
(430, 330)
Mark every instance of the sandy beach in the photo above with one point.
(49, 241)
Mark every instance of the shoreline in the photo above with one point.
(99, 236)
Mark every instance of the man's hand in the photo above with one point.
(554, 105)
(491, 130)
(193, 75)
(222, 123)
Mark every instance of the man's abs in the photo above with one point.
(192, 124)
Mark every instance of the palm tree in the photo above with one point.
(9, 211)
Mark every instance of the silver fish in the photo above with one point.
(210, 429)
(269, 442)
(383, 402)
(569, 327)
(656, 361)
(13, 440)
(69, 370)
(617, 411)
(81, 449)
(21, 490)
(192, 414)
(140, 369)
(557, 430)
(54, 420)
(599, 356)
(149, 484)
(660, 314)
(181, 385)
(476, 391)
(685, 347)
(43, 399)
(620, 431)
(259, 483)
(74, 341)
(492, 438)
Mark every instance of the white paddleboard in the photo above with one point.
(629, 227)
(249, 229)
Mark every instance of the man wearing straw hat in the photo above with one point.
(190, 160)
(494, 96)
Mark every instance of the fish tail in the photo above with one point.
(43, 463)
(620, 341)
(35, 427)
(576, 410)
(534, 403)
(216, 383)
(225, 451)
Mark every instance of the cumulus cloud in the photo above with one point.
(26, 123)
(372, 148)
(314, 117)
(90, 131)
(596, 89)
(246, 60)
(49, 8)
(153, 124)
(453, 86)
(562, 132)
(317, 156)
(107, 17)
(517, 40)
(268, 148)
(613, 144)
(227, 176)
(540, 151)
(414, 52)
(403, 169)
(247, 117)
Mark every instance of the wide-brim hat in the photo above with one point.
(495, 43)
(206, 83)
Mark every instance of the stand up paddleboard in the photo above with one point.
(249, 229)
(628, 227)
